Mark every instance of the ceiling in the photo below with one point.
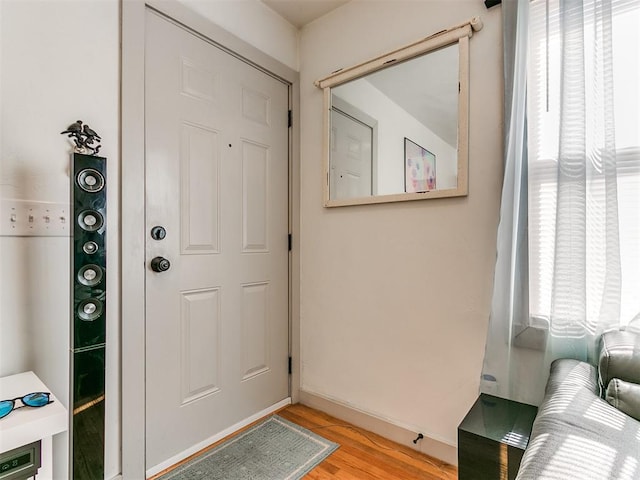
(301, 12)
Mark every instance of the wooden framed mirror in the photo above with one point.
(396, 127)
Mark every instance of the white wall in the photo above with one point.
(59, 61)
(395, 297)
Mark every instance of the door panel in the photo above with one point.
(200, 343)
(255, 326)
(217, 180)
(199, 207)
(255, 186)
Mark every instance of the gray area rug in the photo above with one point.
(275, 449)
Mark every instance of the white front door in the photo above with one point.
(217, 181)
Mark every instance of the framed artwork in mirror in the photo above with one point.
(419, 168)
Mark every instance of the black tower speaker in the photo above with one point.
(88, 313)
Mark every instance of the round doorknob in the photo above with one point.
(160, 264)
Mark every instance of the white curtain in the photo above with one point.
(569, 231)
(585, 298)
(509, 307)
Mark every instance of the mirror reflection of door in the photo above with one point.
(352, 151)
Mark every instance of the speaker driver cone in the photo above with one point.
(90, 220)
(90, 248)
(90, 180)
(90, 309)
(90, 275)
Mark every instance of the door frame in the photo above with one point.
(132, 214)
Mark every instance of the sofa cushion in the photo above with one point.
(619, 357)
(625, 396)
(577, 435)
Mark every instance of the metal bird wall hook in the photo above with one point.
(85, 139)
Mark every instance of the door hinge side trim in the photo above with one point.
(290, 366)
(290, 240)
(290, 119)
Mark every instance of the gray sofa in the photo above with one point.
(587, 427)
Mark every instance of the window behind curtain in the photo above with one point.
(543, 117)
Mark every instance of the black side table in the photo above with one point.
(492, 438)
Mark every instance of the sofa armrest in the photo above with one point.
(619, 357)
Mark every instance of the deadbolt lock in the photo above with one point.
(158, 232)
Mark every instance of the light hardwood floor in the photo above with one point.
(362, 455)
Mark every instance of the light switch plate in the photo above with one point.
(27, 218)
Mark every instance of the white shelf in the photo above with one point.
(27, 425)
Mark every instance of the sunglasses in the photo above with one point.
(35, 399)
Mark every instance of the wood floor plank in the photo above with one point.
(367, 461)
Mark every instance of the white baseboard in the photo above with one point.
(213, 439)
(429, 446)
